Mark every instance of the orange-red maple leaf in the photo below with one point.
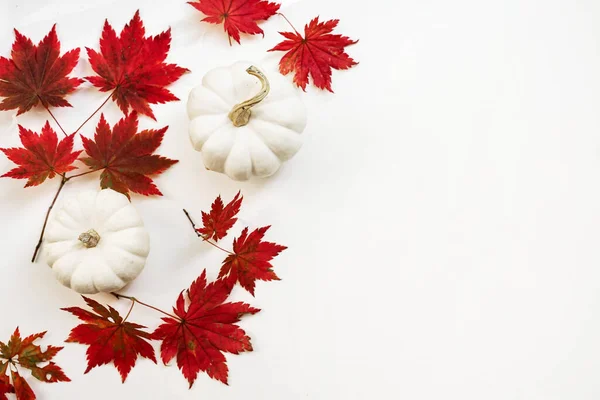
(132, 67)
(37, 74)
(250, 260)
(317, 53)
(22, 353)
(42, 156)
(236, 15)
(110, 338)
(204, 331)
(125, 156)
(221, 218)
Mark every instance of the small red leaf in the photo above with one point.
(251, 259)
(126, 156)
(37, 74)
(42, 156)
(236, 15)
(205, 330)
(221, 218)
(317, 53)
(110, 338)
(132, 67)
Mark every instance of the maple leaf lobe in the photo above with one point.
(42, 156)
(126, 156)
(315, 54)
(237, 16)
(37, 74)
(133, 67)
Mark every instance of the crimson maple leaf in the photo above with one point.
(204, 331)
(42, 156)
(250, 260)
(132, 67)
(125, 156)
(22, 353)
(109, 337)
(236, 15)
(221, 218)
(316, 53)
(37, 74)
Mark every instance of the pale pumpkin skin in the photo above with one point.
(120, 254)
(272, 136)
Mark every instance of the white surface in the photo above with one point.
(449, 252)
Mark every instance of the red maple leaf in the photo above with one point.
(204, 331)
(42, 156)
(22, 353)
(37, 74)
(236, 15)
(126, 156)
(221, 218)
(109, 338)
(132, 67)
(251, 259)
(316, 53)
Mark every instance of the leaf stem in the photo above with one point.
(288, 21)
(83, 173)
(39, 243)
(204, 238)
(129, 312)
(95, 112)
(53, 117)
(134, 300)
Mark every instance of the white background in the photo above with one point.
(442, 218)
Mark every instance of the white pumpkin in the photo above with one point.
(96, 242)
(243, 123)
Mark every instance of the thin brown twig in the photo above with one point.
(134, 300)
(204, 238)
(288, 21)
(39, 243)
(94, 113)
(53, 117)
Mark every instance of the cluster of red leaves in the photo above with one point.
(132, 67)
(315, 54)
(124, 155)
(203, 325)
(23, 353)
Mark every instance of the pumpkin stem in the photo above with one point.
(240, 114)
(90, 238)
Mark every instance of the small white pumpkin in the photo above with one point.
(96, 242)
(243, 123)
